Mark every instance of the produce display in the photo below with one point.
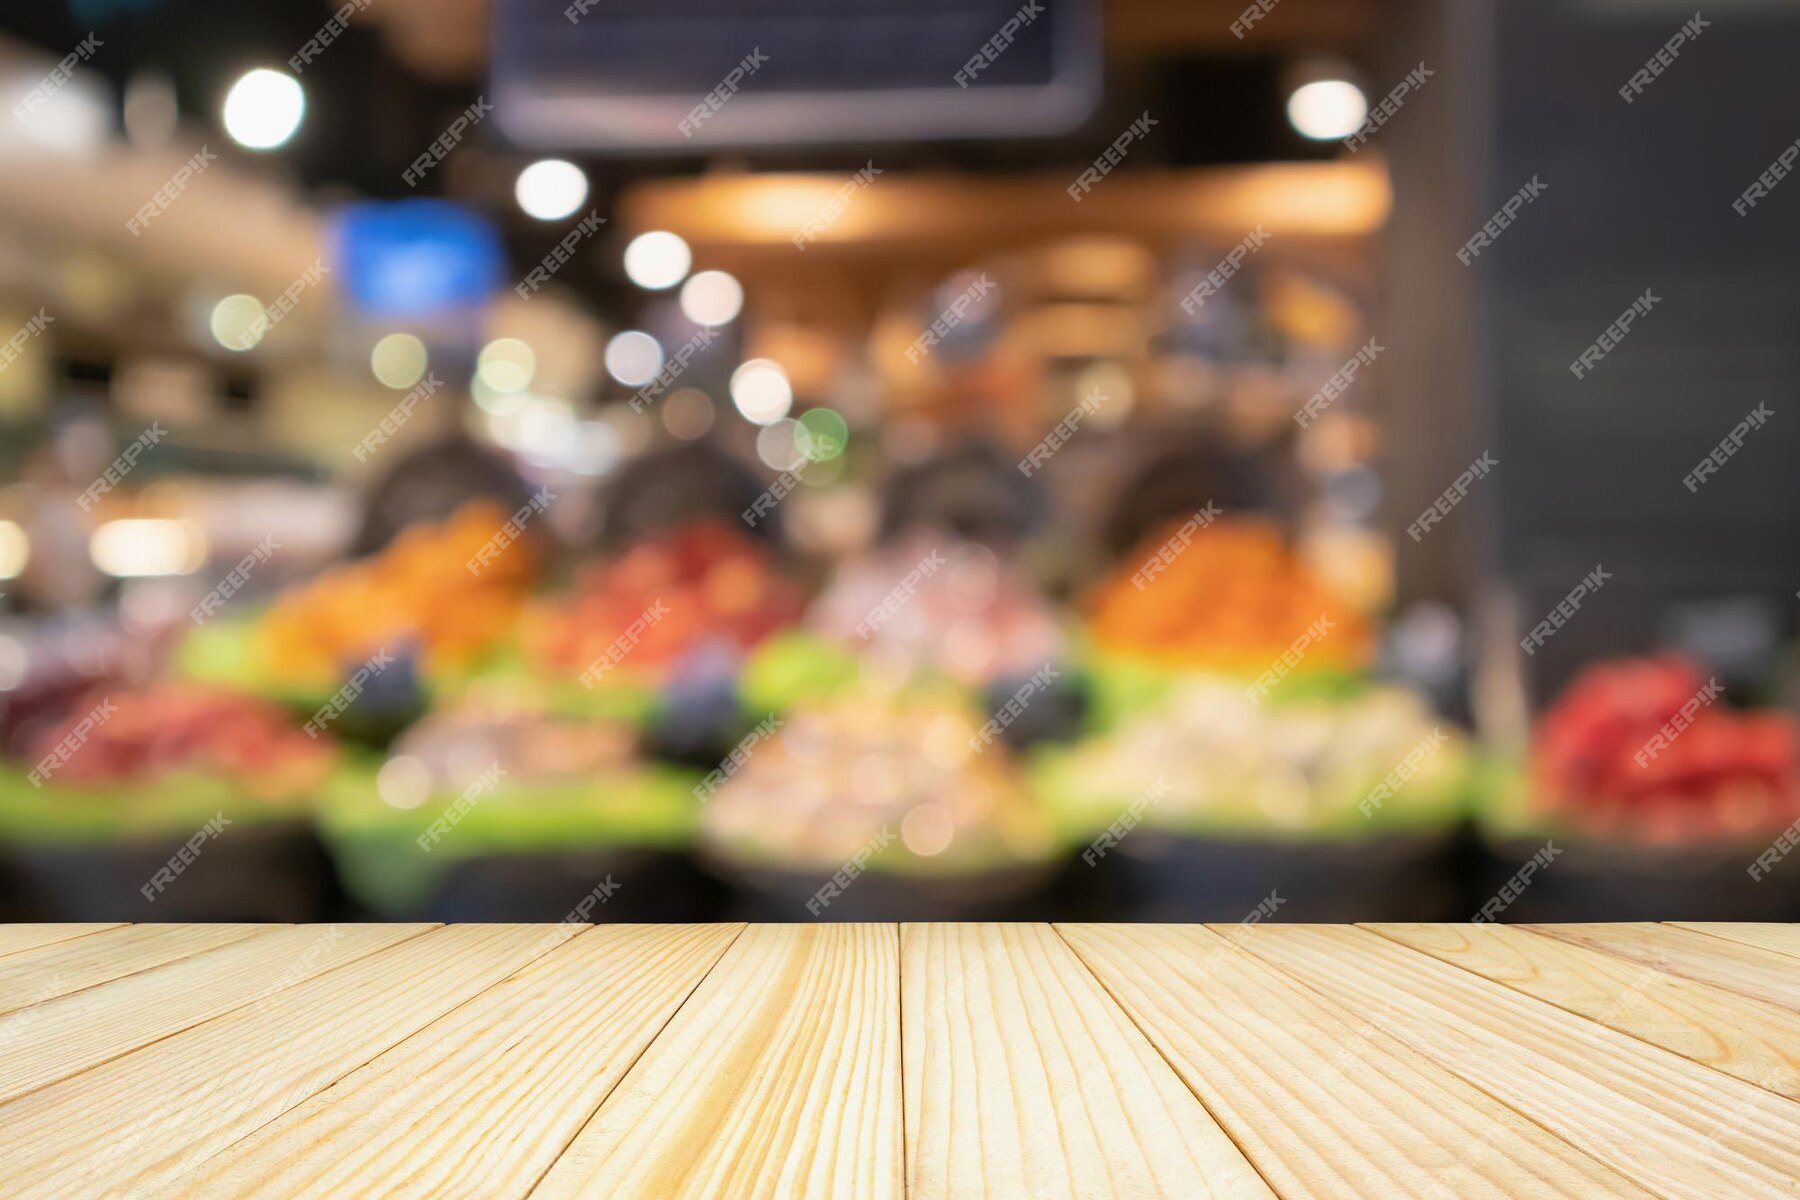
(1648, 748)
(1207, 757)
(701, 585)
(448, 590)
(890, 779)
(1227, 594)
(940, 604)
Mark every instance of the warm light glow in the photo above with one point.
(15, 549)
(506, 365)
(761, 391)
(238, 322)
(1327, 108)
(657, 260)
(399, 360)
(148, 547)
(712, 298)
(633, 358)
(263, 109)
(551, 188)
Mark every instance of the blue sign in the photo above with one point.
(416, 259)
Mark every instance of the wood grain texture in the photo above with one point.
(1324, 1100)
(16, 938)
(527, 1062)
(61, 1037)
(780, 1077)
(139, 1123)
(1755, 1041)
(1673, 1126)
(69, 966)
(1023, 1078)
(1730, 964)
(1765, 935)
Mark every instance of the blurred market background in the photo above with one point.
(1109, 459)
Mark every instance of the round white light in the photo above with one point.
(399, 360)
(657, 260)
(263, 109)
(712, 298)
(1328, 108)
(761, 391)
(239, 322)
(551, 188)
(506, 365)
(633, 358)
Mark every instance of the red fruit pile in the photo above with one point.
(1615, 752)
(700, 583)
(138, 734)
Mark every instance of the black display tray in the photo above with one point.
(650, 885)
(1591, 880)
(775, 894)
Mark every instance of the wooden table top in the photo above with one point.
(1018, 1062)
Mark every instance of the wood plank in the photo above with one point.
(1766, 935)
(1757, 1042)
(1024, 1078)
(1764, 974)
(137, 1123)
(1672, 1125)
(61, 1037)
(70, 966)
(525, 1064)
(780, 1077)
(17, 938)
(1324, 1100)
